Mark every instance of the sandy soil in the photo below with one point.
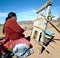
(54, 52)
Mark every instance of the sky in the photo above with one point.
(25, 9)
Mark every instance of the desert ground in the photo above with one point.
(54, 51)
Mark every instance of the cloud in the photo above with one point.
(27, 15)
(29, 12)
(3, 14)
(21, 16)
(2, 17)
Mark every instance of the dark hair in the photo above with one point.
(10, 15)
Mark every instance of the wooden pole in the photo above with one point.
(54, 26)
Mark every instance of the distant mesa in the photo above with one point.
(25, 22)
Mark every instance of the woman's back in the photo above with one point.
(12, 29)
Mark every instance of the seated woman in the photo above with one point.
(13, 33)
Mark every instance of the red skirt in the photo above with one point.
(12, 43)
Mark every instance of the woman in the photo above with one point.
(13, 33)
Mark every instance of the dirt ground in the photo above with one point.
(54, 51)
(53, 47)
